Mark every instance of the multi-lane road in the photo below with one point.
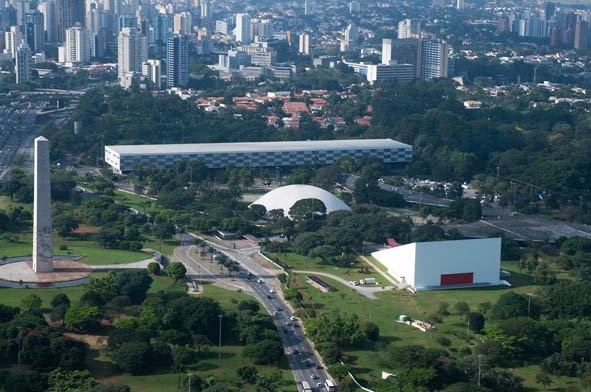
(303, 359)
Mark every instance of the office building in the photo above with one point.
(77, 46)
(35, 31)
(350, 38)
(69, 13)
(304, 44)
(12, 40)
(132, 52)
(47, 9)
(549, 9)
(262, 28)
(399, 72)
(459, 4)
(354, 7)
(581, 35)
(434, 59)
(221, 26)
(444, 264)
(152, 72)
(407, 51)
(309, 7)
(125, 158)
(242, 29)
(22, 67)
(409, 28)
(386, 51)
(234, 59)
(183, 23)
(177, 61)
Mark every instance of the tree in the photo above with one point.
(164, 231)
(176, 270)
(371, 331)
(250, 305)
(31, 302)
(193, 383)
(60, 299)
(133, 283)
(247, 374)
(264, 352)
(133, 357)
(307, 209)
(154, 268)
(461, 308)
(27, 381)
(58, 312)
(64, 224)
(61, 380)
(509, 305)
(110, 388)
(82, 318)
(543, 379)
(476, 321)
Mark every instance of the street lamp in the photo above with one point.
(529, 303)
(479, 364)
(220, 316)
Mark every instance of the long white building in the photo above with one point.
(444, 264)
(124, 158)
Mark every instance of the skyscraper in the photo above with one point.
(47, 8)
(151, 71)
(132, 52)
(69, 13)
(434, 59)
(22, 67)
(34, 31)
(183, 23)
(77, 45)
(351, 36)
(549, 9)
(12, 40)
(304, 44)
(242, 30)
(177, 61)
(409, 28)
(581, 35)
(309, 7)
(386, 51)
(459, 4)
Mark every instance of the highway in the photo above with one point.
(304, 363)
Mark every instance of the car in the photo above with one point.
(314, 377)
(260, 281)
(288, 324)
(293, 318)
(319, 385)
(271, 291)
(318, 366)
(295, 352)
(307, 362)
(295, 325)
(269, 296)
(279, 310)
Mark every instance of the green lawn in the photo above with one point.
(389, 305)
(136, 202)
(299, 262)
(92, 252)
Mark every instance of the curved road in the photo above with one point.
(304, 361)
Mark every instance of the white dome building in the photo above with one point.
(286, 196)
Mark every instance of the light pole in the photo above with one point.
(529, 303)
(479, 364)
(19, 347)
(189, 382)
(220, 338)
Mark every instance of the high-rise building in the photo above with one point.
(12, 40)
(22, 67)
(309, 7)
(581, 35)
(206, 8)
(69, 13)
(47, 8)
(77, 45)
(409, 28)
(386, 51)
(503, 24)
(399, 72)
(132, 52)
(127, 21)
(177, 61)
(351, 36)
(262, 28)
(549, 9)
(304, 44)
(354, 7)
(434, 59)
(35, 31)
(22, 8)
(555, 37)
(459, 4)
(152, 71)
(407, 51)
(242, 30)
(183, 23)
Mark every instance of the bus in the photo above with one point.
(306, 386)
(330, 386)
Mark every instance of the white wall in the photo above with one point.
(423, 263)
(480, 256)
(400, 262)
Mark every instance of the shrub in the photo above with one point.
(154, 268)
(443, 340)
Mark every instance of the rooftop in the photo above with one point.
(213, 148)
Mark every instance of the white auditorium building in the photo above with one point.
(444, 264)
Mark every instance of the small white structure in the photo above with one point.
(444, 264)
(285, 197)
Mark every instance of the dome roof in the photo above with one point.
(286, 196)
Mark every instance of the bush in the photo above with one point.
(462, 308)
(60, 299)
(433, 319)
(154, 268)
(27, 381)
(443, 340)
(82, 318)
(176, 270)
(133, 357)
(476, 321)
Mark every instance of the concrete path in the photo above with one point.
(396, 284)
(366, 291)
(142, 264)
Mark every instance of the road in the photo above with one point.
(302, 358)
(17, 131)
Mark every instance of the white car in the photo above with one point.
(293, 318)
(271, 291)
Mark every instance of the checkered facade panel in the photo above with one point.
(265, 158)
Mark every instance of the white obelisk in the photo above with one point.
(42, 253)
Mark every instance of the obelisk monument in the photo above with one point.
(42, 252)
